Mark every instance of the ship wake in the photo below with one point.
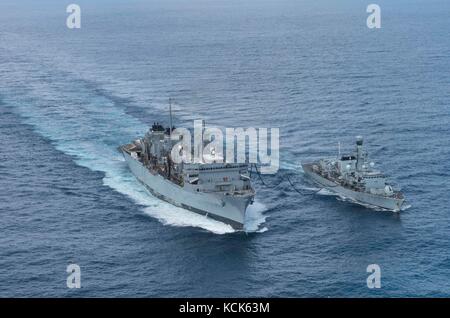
(89, 126)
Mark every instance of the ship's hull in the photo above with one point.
(363, 198)
(228, 209)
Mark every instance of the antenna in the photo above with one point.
(170, 117)
(339, 149)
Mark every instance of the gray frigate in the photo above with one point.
(219, 190)
(354, 178)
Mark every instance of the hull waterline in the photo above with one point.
(218, 206)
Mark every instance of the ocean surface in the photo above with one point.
(313, 69)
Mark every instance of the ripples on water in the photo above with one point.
(313, 70)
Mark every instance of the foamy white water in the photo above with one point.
(325, 191)
(82, 129)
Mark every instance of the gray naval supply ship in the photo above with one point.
(216, 189)
(353, 177)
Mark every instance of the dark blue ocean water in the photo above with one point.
(68, 98)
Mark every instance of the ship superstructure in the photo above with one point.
(213, 188)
